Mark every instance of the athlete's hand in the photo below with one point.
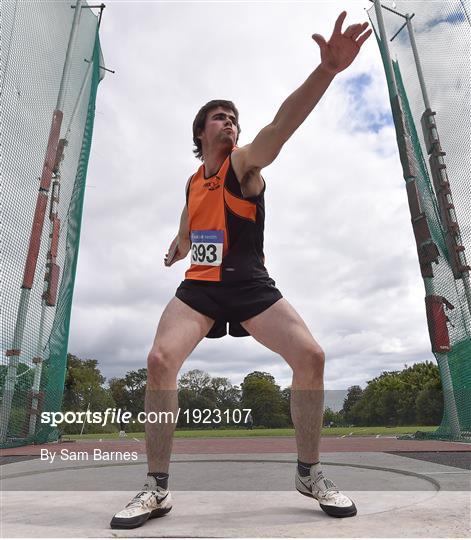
(177, 251)
(341, 49)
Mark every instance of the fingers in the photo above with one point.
(339, 22)
(355, 30)
(364, 37)
(319, 40)
(168, 262)
(171, 256)
(352, 32)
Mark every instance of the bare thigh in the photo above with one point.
(283, 331)
(180, 330)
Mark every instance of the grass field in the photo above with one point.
(280, 432)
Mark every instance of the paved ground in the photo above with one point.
(235, 494)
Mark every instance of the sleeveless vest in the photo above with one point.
(226, 229)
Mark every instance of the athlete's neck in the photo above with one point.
(213, 161)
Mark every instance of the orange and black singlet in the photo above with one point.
(226, 229)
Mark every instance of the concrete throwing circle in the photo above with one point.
(207, 474)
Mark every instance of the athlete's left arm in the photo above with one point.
(336, 55)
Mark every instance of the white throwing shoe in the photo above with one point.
(331, 500)
(145, 505)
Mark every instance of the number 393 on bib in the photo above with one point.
(206, 247)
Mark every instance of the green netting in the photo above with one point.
(34, 329)
(442, 32)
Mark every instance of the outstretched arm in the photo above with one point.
(336, 55)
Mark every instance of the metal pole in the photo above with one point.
(84, 422)
(79, 98)
(67, 63)
(417, 62)
(384, 39)
(449, 395)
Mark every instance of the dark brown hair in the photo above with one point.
(200, 121)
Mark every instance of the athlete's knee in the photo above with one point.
(161, 363)
(312, 361)
(319, 359)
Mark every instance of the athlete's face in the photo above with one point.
(220, 128)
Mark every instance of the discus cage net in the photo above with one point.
(425, 49)
(50, 60)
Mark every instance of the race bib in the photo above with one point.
(206, 247)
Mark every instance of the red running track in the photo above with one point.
(251, 445)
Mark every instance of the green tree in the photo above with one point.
(332, 418)
(286, 399)
(199, 402)
(195, 393)
(399, 397)
(227, 396)
(119, 392)
(429, 404)
(261, 375)
(194, 380)
(129, 391)
(379, 401)
(263, 397)
(83, 389)
(83, 385)
(424, 376)
(135, 386)
(354, 394)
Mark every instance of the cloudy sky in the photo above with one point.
(338, 238)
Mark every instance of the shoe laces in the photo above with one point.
(140, 499)
(325, 485)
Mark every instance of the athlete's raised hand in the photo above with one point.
(342, 48)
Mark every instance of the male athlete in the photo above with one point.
(227, 283)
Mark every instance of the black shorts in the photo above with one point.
(229, 303)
